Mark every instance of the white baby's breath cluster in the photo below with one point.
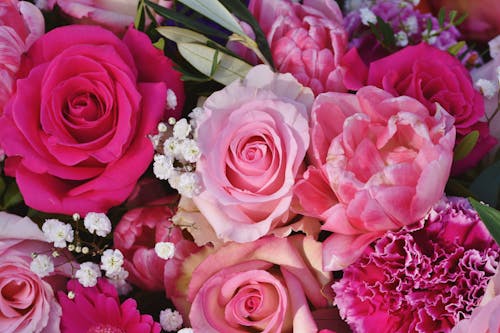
(170, 320)
(177, 152)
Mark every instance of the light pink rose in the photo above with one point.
(21, 23)
(27, 302)
(307, 40)
(253, 137)
(115, 15)
(270, 285)
(76, 131)
(136, 235)
(386, 161)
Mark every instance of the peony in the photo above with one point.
(270, 285)
(81, 116)
(253, 136)
(27, 301)
(378, 163)
(21, 23)
(307, 40)
(136, 235)
(422, 278)
(98, 309)
(434, 76)
(115, 15)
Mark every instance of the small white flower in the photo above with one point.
(165, 250)
(119, 280)
(189, 184)
(171, 147)
(487, 87)
(432, 37)
(71, 294)
(42, 265)
(185, 330)
(367, 16)
(163, 166)
(111, 262)
(170, 320)
(97, 223)
(494, 46)
(162, 127)
(411, 25)
(171, 99)
(76, 217)
(155, 140)
(57, 232)
(182, 129)
(401, 39)
(88, 274)
(174, 179)
(190, 150)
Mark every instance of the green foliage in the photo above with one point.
(490, 217)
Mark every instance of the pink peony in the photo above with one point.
(85, 104)
(270, 285)
(307, 40)
(115, 15)
(27, 302)
(21, 23)
(484, 319)
(378, 163)
(434, 76)
(136, 235)
(253, 136)
(422, 278)
(98, 309)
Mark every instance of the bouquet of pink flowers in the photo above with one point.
(234, 166)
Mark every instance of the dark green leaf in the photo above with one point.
(441, 17)
(2, 185)
(453, 15)
(140, 18)
(215, 63)
(486, 185)
(151, 16)
(461, 19)
(465, 146)
(185, 21)
(490, 217)
(387, 33)
(456, 188)
(12, 196)
(242, 12)
(429, 25)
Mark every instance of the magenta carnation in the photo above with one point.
(98, 309)
(423, 278)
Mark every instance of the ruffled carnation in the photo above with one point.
(423, 278)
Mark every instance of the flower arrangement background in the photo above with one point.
(249, 166)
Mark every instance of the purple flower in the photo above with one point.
(423, 278)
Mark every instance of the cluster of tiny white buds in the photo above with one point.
(186, 330)
(410, 25)
(57, 232)
(88, 273)
(367, 16)
(42, 265)
(111, 262)
(171, 99)
(486, 87)
(432, 37)
(97, 223)
(401, 39)
(165, 250)
(170, 320)
(177, 155)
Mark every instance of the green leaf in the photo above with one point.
(490, 217)
(485, 187)
(202, 57)
(160, 44)
(465, 146)
(429, 25)
(441, 16)
(12, 196)
(387, 32)
(453, 15)
(184, 20)
(455, 48)
(2, 185)
(181, 35)
(140, 18)
(461, 19)
(215, 11)
(242, 12)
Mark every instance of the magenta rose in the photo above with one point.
(76, 130)
(270, 285)
(434, 76)
(27, 301)
(21, 23)
(307, 40)
(379, 162)
(136, 235)
(253, 136)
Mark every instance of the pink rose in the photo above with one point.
(386, 161)
(270, 285)
(434, 76)
(253, 137)
(85, 104)
(21, 23)
(307, 40)
(27, 302)
(115, 15)
(136, 235)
